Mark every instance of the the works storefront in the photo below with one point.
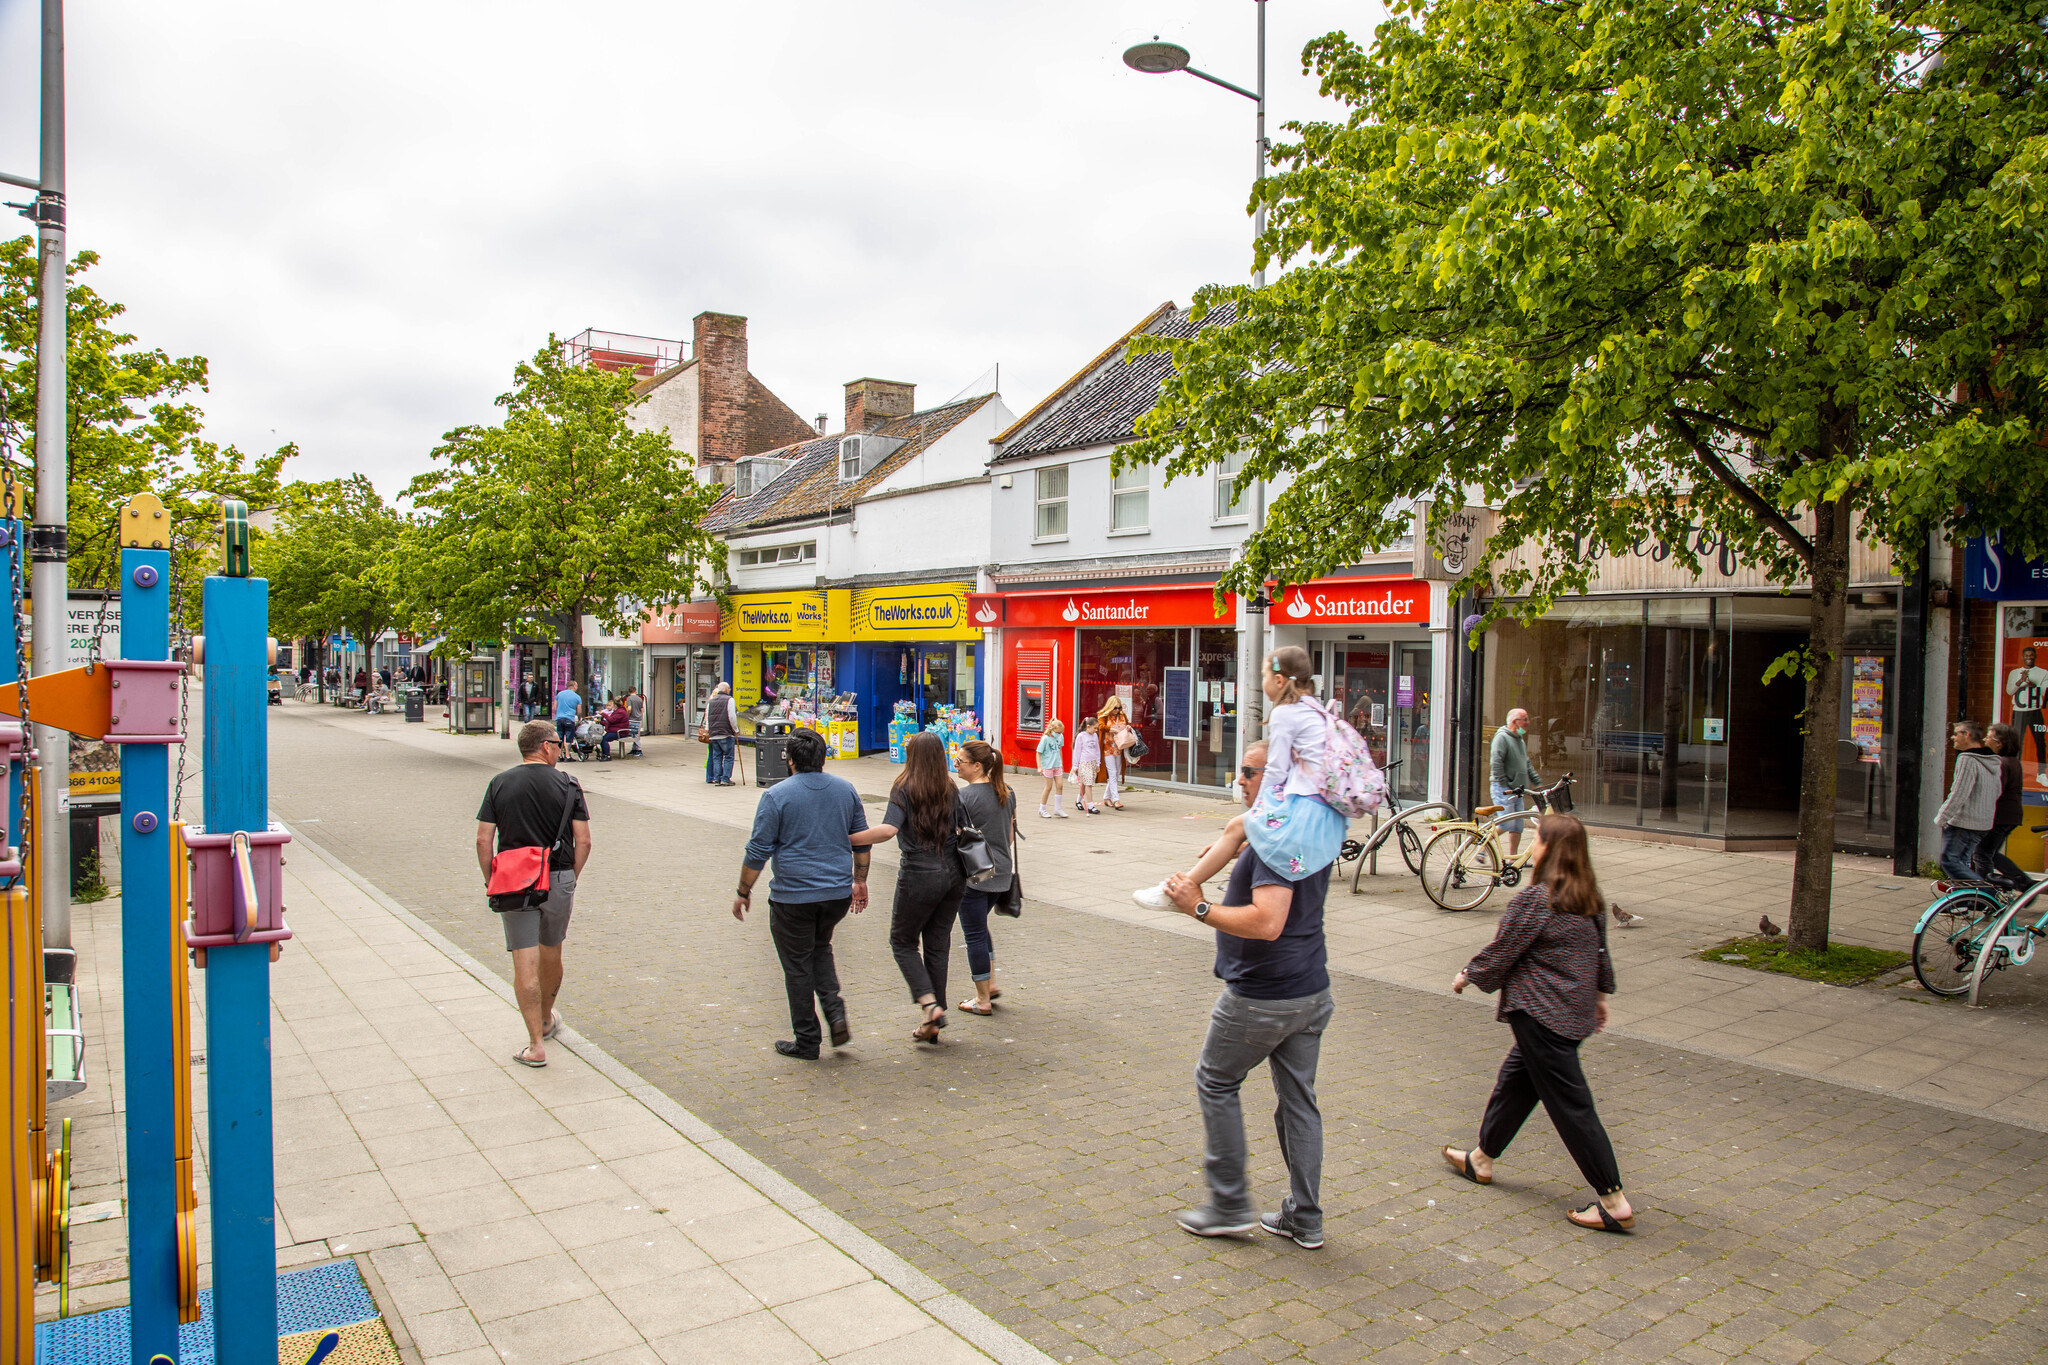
(1171, 654)
(809, 650)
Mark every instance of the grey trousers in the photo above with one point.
(1288, 1036)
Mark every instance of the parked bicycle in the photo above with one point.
(1398, 825)
(1464, 861)
(1973, 930)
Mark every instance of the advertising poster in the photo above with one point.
(2022, 703)
(95, 764)
(1866, 706)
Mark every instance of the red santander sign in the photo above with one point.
(1354, 601)
(1120, 609)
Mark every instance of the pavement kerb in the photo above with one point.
(980, 1330)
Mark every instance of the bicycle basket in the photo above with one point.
(1559, 798)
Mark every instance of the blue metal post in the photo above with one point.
(151, 1070)
(238, 1095)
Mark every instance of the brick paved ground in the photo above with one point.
(1032, 1163)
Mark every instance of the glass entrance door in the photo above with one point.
(1410, 730)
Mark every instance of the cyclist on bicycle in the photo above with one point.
(1511, 770)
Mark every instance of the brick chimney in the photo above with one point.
(721, 354)
(871, 402)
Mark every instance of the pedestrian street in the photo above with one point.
(1032, 1163)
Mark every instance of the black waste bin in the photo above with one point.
(771, 752)
(416, 705)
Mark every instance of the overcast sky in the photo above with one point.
(365, 215)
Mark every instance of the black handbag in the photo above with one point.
(1139, 748)
(977, 864)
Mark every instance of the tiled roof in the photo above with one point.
(811, 487)
(1104, 406)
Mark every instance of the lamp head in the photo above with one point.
(1156, 58)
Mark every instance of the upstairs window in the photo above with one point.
(849, 458)
(1229, 493)
(1130, 499)
(767, 555)
(1052, 504)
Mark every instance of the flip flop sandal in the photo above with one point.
(554, 1025)
(1608, 1222)
(1463, 1166)
(524, 1060)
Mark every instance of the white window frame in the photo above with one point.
(1040, 502)
(772, 556)
(846, 476)
(1122, 493)
(1230, 510)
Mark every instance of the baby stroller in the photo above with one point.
(589, 732)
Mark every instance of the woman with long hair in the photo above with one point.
(924, 817)
(1549, 962)
(1113, 735)
(992, 807)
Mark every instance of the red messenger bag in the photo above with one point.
(519, 876)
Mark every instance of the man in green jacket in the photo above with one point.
(1510, 764)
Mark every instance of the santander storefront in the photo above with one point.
(1170, 654)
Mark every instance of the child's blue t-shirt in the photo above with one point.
(1048, 750)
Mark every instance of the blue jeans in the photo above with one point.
(611, 737)
(1958, 853)
(981, 949)
(718, 763)
(565, 730)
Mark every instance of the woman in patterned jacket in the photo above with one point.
(1549, 962)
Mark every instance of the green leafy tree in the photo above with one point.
(131, 428)
(562, 511)
(1753, 274)
(328, 562)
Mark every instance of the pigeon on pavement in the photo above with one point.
(1624, 918)
(1768, 929)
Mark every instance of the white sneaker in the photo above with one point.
(1057, 811)
(1154, 897)
(1044, 814)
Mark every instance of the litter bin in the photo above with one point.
(771, 752)
(415, 705)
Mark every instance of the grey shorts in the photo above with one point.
(546, 925)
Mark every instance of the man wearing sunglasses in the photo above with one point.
(523, 808)
(1275, 1005)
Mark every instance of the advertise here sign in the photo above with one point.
(1355, 601)
(95, 764)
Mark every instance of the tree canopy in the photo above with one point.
(131, 425)
(329, 560)
(563, 510)
(1637, 272)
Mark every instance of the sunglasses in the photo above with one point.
(1247, 774)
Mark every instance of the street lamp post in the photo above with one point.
(1158, 58)
(49, 588)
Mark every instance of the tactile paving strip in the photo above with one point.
(362, 1343)
(321, 1297)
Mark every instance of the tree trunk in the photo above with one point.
(1813, 866)
(320, 672)
(579, 664)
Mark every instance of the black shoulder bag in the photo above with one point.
(1011, 902)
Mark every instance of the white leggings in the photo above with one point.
(1112, 769)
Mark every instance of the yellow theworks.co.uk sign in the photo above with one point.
(928, 611)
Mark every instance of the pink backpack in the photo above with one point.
(1351, 783)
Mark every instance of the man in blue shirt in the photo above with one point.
(1274, 1008)
(568, 706)
(806, 823)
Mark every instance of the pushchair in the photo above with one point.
(589, 733)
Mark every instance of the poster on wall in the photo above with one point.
(1866, 706)
(2023, 696)
(746, 674)
(1177, 703)
(92, 630)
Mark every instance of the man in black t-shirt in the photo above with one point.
(1275, 1005)
(524, 807)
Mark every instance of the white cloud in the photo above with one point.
(364, 216)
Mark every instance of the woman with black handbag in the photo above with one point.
(992, 807)
(926, 818)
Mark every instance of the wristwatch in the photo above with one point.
(1201, 909)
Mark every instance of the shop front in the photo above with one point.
(2017, 590)
(684, 664)
(854, 655)
(1649, 690)
(1168, 653)
(1370, 643)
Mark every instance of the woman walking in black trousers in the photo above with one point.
(1549, 962)
(924, 817)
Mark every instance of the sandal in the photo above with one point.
(995, 992)
(1462, 1164)
(554, 1024)
(1608, 1222)
(524, 1060)
(973, 1006)
(934, 1020)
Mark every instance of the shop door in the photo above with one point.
(892, 677)
(935, 681)
(1360, 692)
(1410, 730)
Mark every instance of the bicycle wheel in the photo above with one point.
(1459, 868)
(1946, 947)
(1411, 848)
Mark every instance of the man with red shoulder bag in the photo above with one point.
(532, 840)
